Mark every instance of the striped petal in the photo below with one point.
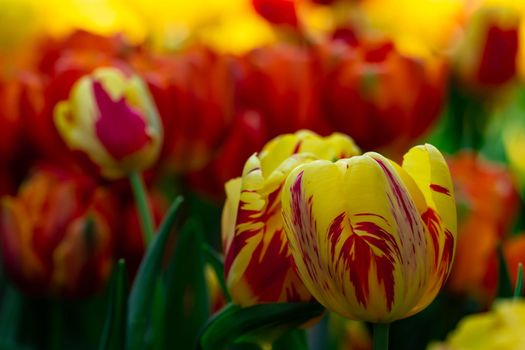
(258, 265)
(357, 238)
(428, 169)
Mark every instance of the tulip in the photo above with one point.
(57, 235)
(501, 328)
(372, 240)
(488, 196)
(281, 83)
(488, 53)
(112, 119)
(378, 96)
(258, 265)
(194, 94)
(58, 66)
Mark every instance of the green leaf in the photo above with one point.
(505, 283)
(187, 302)
(260, 324)
(142, 292)
(114, 333)
(217, 263)
(10, 314)
(518, 290)
(292, 340)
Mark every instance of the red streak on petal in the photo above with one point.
(440, 189)
(297, 147)
(400, 194)
(120, 127)
(433, 223)
(266, 274)
(357, 254)
(448, 251)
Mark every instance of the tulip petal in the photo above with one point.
(257, 259)
(356, 236)
(428, 168)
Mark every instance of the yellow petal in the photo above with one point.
(428, 169)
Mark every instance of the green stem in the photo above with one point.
(519, 282)
(143, 206)
(381, 336)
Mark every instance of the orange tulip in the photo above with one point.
(489, 196)
(57, 234)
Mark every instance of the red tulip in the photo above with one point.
(194, 94)
(378, 96)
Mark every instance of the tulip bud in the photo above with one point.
(112, 119)
(258, 265)
(488, 53)
(57, 235)
(372, 240)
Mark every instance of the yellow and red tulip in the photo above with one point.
(372, 240)
(111, 118)
(488, 53)
(57, 234)
(258, 265)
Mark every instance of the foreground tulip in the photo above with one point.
(372, 240)
(258, 265)
(57, 235)
(111, 118)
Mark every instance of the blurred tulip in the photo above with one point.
(59, 64)
(57, 234)
(487, 55)
(281, 83)
(378, 96)
(280, 12)
(111, 118)
(258, 265)
(514, 249)
(372, 240)
(10, 96)
(485, 188)
(501, 328)
(194, 94)
(247, 135)
(410, 29)
(488, 195)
